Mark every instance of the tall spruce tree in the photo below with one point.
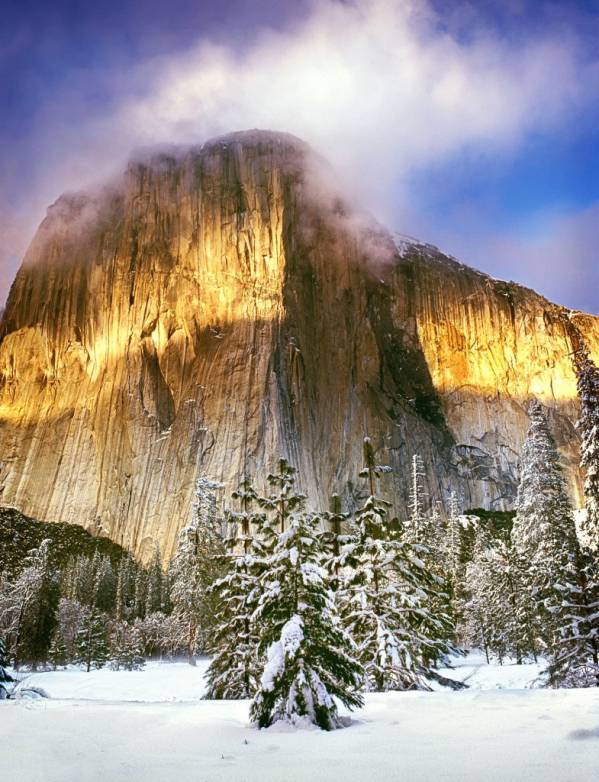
(196, 565)
(498, 612)
(155, 582)
(417, 512)
(453, 543)
(388, 597)
(235, 668)
(125, 648)
(574, 660)
(310, 658)
(4, 675)
(587, 376)
(92, 642)
(545, 535)
(336, 542)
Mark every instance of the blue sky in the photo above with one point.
(473, 125)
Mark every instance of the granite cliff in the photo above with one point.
(220, 306)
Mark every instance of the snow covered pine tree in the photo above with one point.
(310, 658)
(92, 645)
(28, 607)
(387, 598)
(155, 579)
(562, 581)
(499, 614)
(195, 566)
(5, 677)
(235, 669)
(587, 376)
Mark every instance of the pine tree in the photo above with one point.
(587, 375)
(92, 645)
(154, 592)
(84, 580)
(4, 675)
(284, 500)
(126, 648)
(196, 565)
(125, 589)
(336, 543)
(388, 597)
(235, 668)
(499, 614)
(417, 514)
(57, 654)
(309, 656)
(544, 531)
(72, 618)
(141, 591)
(545, 536)
(453, 543)
(104, 584)
(575, 658)
(28, 607)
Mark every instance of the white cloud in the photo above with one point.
(379, 87)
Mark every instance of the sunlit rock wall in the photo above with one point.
(222, 306)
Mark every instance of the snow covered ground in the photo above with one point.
(478, 675)
(150, 725)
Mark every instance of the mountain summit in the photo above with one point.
(221, 306)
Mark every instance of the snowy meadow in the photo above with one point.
(153, 725)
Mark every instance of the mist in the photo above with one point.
(384, 90)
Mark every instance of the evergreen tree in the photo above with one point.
(92, 645)
(4, 675)
(574, 660)
(499, 614)
(282, 502)
(310, 659)
(453, 543)
(57, 654)
(388, 598)
(587, 375)
(84, 580)
(195, 567)
(28, 607)
(154, 592)
(72, 618)
(544, 532)
(417, 514)
(558, 577)
(235, 668)
(141, 592)
(336, 543)
(104, 584)
(125, 589)
(126, 648)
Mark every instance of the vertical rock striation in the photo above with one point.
(221, 306)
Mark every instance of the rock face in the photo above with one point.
(220, 307)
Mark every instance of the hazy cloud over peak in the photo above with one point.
(384, 89)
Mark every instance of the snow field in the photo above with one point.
(120, 725)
